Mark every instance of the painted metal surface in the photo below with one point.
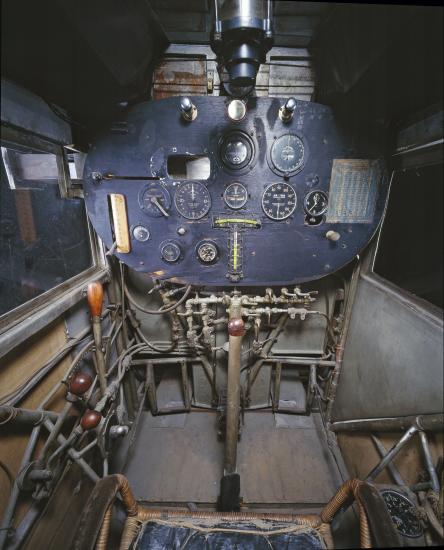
(393, 357)
(274, 252)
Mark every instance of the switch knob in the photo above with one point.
(189, 111)
(333, 235)
(287, 110)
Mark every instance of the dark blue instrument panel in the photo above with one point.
(215, 201)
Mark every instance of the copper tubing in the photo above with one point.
(349, 490)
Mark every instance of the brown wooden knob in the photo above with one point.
(95, 298)
(80, 383)
(236, 327)
(90, 420)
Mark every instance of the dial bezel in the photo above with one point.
(136, 226)
(174, 243)
(306, 198)
(211, 243)
(289, 213)
(226, 201)
(179, 208)
(299, 167)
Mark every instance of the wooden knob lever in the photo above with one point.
(95, 298)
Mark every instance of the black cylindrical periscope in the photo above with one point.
(242, 37)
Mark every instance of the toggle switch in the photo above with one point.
(189, 110)
(287, 110)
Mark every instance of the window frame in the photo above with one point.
(417, 157)
(22, 322)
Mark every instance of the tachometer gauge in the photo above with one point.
(192, 200)
(287, 154)
(155, 200)
(315, 203)
(235, 195)
(236, 150)
(279, 201)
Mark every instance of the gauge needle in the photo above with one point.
(159, 206)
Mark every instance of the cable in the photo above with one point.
(8, 473)
(159, 311)
(153, 347)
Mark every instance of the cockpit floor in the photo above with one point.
(283, 460)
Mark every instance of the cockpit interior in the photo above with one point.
(221, 275)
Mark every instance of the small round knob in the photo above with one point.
(95, 298)
(90, 420)
(236, 327)
(333, 235)
(80, 383)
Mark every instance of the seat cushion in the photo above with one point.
(217, 534)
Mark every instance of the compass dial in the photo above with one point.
(279, 201)
(287, 154)
(192, 200)
(236, 150)
(235, 196)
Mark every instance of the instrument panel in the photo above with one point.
(217, 201)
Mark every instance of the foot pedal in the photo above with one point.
(229, 498)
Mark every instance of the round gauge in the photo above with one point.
(235, 195)
(207, 252)
(141, 233)
(155, 200)
(287, 154)
(236, 150)
(192, 200)
(403, 513)
(279, 201)
(315, 203)
(170, 251)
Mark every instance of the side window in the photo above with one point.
(44, 239)
(410, 249)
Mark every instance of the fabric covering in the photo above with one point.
(220, 535)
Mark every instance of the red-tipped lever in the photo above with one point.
(95, 299)
(236, 327)
(80, 383)
(95, 302)
(90, 420)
